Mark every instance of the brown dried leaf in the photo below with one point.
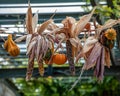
(31, 45)
(79, 46)
(52, 27)
(74, 50)
(69, 25)
(99, 70)
(43, 44)
(46, 48)
(60, 36)
(107, 57)
(58, 46)
(92, 59)
(28, 39)
(89, 43)
(74, 42)
(82, 22)
(50, 36)
(29, 20)
(108, 24)
(34, 21)
(20, 38)
(39, 46)
(44, 26)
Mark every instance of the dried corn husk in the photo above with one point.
(82, 22)
(95, 53)
(29, 20)
(74, 42)
(20, 38)
(86, 49)
(34, 21)
(39, 46)
(28, 39)
(107, 58)
(69, 25)
(108, 24)
(99, 69)
(60, 36)
(44, 26)
(31, 45)
(52, 26)
(89, 43)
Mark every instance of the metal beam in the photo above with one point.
(36, 1)
(55, 72)
(20, 19)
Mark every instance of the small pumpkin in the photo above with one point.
(59, 58)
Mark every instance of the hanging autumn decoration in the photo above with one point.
(96, 52)
(71, 29)
(38, 43)
(11, 47)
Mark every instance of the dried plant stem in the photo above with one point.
(70, 57)
(78, 80)
(55, 51)
(53, 14)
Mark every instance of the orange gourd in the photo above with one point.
(11, 47)
(59, 59)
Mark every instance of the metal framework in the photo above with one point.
(56, 72)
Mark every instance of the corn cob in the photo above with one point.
(41, 67)
(70, 57)
(30, 64)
